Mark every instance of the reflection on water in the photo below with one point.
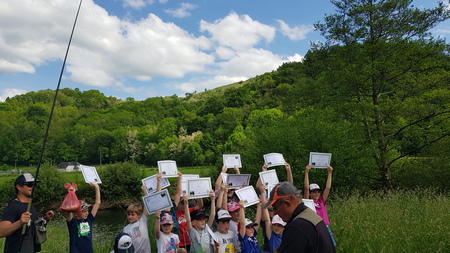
(108, 223)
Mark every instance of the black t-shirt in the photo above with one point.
(12, 213)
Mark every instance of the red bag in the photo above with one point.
(70, 202)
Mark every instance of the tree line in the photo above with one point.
(375, 94)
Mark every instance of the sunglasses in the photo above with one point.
(30, 184)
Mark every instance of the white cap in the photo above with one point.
(277, 220)
(313, 187)
(223, 215)
(124, 242)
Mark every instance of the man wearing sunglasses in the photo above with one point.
(305, 231)
(15, 216)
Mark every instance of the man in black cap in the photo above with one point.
(305, 230)
(15, 216)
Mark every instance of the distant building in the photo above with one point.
(69, 166)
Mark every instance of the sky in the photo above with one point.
(151, 48)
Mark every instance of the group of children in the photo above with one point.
(186, 228)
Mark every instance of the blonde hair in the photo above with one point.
(135, 208)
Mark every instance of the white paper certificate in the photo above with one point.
(319, 160)
(157, 201)
(269, 177)
(310, 203)
(248, 195)
(273, 159)
(90, 174)
(229, 161)
(269, 189)
(199, 188)
(224, 178)
(237, 181)
(211, 233)
(184, 179)
(151, 182)
(168, 168)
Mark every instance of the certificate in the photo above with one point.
(168, 168)
(157, 201)
(273, 159)
(151, 182)
(229, 161)
(310, 203)
(199, 188)
(248, 195)
(269, 177)
(211, 233)
(184, 179)
(319, 160)
(90, 174)
(237, 181)
(224, 178)
(269, 189)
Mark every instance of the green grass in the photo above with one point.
(405, 221)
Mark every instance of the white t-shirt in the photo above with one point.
(139, 235)
(233, 226)
(200, 240)
(229, 243)
(167, 243)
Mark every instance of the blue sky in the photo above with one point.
(148, 48)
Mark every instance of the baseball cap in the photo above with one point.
(123, 243)
(281, 190)
(249, 223)
(83, 205)
(166, 219)
(313, 187)
(277, 220)
(198, 215)
(25, 178)
(223, 215)
(232, 206)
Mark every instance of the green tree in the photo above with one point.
(380, 67)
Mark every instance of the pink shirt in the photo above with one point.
(322, 210)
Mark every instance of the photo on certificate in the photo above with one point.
(199, 187)
(90, 174)
(237, 181)
(319, 160)
(269, 177)
(310, 203)
(231, 160)
(168, 168)
(248, 195)
(151, 182)
(273, 159)
(184, 179)
(157, 201)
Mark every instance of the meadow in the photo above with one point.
(403, 221)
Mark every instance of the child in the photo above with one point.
(233, 209)
(198, 229)
(247, 233)
(123, 244)
(274, 229)
(167, 242)
(228, 242)
(80, 225)
(137, 228)
(314, 192)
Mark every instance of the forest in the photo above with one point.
(376, 95)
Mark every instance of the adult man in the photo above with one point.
(15, 216)
(305, 230)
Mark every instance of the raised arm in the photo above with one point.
(158, 181)
(259, 182)
(219, 199)
(199, 205)
(219, 179)
(258, 214)
(157, 224)
(187, 215)
(265, 216)
(212, 214)
(97, 199)
(225, 198)
(144, 193)
(327, 189)
(287, 166)
(306, 182)
(179, 190)
(236, 170)
(241, 218)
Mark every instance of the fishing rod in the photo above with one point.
(48, 127)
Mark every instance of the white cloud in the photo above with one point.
(183, 11)
(137, 4)
(238, 32)
(9, 93)
(295, 33)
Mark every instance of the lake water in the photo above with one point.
(108, 223)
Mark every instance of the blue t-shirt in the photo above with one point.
(80, 233)
(274, 242)
(249, 244)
